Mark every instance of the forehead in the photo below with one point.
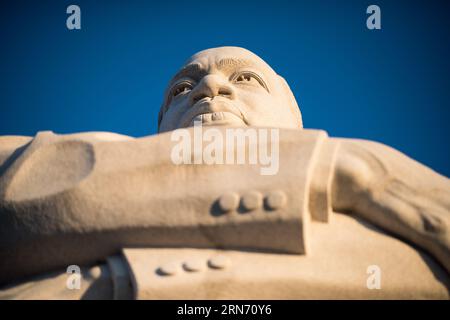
(228, 56)
(224, 60)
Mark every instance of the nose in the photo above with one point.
(212, 86)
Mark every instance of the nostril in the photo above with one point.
(199, 97)
(224, 92)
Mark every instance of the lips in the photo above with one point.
(220, 117)
(216, 111)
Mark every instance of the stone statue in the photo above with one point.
(341, 218)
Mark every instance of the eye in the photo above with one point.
(246, 78)
(249, 78)
(181, 88)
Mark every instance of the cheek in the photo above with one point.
(256, 104)
(266, 110)
(174, 113)
(254, 100)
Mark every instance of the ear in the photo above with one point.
(291, 100)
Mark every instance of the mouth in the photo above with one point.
(216, 112)
(216, 118)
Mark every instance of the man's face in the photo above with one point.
(228, 86)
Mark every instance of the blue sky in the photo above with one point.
(390, 85)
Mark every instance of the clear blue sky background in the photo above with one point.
(390, 86)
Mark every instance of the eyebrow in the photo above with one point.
(224, 63)
(187, 70)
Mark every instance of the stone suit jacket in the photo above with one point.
(155, 229)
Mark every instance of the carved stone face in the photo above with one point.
(228, 86)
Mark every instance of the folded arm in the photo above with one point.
(394, 192)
